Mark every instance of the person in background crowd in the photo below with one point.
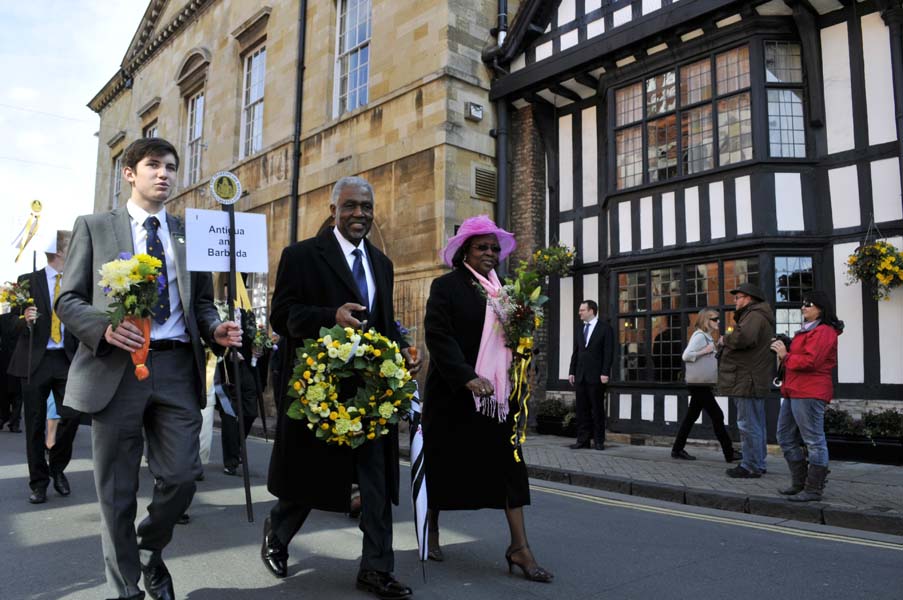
(53, 421)
(745, 373)
(590, 370)
(10, 388)
(807, 389)
(466, 421)
(41, 362)
(701, 376)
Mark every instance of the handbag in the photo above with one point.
(702, 371)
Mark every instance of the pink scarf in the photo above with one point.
(494, 358)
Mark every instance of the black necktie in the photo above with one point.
(585, 334)
(155, 249)
(359, 276)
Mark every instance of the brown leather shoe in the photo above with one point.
(383, 585)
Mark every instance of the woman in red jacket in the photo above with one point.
(808, 388)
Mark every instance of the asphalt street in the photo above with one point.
(599, 545)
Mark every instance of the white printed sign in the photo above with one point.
(207, 241)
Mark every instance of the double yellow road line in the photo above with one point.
(784, 530)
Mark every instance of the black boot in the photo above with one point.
(798, 470)
(815, 484)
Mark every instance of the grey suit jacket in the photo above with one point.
(98, 367)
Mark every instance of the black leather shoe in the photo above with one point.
(578, 446)
(383, 585)
(682, 455)
(233, 471)
(61, 484)
(158, 583)
(184, 519)
(38, 497)
(14, 428)
(273, 553)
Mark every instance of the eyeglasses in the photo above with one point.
(808, 304)
(484, 247)
(716, 319)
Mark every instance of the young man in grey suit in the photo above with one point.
(165, 407)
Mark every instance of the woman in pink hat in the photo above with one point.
(466, 419)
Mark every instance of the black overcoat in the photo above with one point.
(469, 459)
(312, 282)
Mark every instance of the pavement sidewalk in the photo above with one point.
(857, 495)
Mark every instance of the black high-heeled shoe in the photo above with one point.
(534, 573)
(434, 553)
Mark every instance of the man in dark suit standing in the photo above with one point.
(589, 372)
(52, 347)
(10, 388)
(338, 277)
(165, 407)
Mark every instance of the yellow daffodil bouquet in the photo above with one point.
(349, 385)
(135, 283)
(879, 266)
(17, 295)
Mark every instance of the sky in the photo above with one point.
(56, 55)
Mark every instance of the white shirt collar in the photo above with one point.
(51, 272)
(348, 247)
(140, 215)
(591, 322)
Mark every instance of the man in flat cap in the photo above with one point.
(745, 373)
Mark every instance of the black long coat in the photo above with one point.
(312, 282)
(469, 459)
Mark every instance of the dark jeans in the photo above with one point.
(49, 376)
(702, 399)
(10, 400)
(591, 412)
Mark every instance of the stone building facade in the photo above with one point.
(392, 91)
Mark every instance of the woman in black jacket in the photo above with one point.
(466, 424)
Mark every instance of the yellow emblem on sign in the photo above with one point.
(225, 187)
(36, 206)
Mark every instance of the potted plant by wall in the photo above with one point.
(877, 437)
(878, 266)
(550, 415)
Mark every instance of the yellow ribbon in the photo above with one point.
(520, 393)
(241, 294)
(28, 232)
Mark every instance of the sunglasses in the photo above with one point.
(484, 247)
(716, 319)
(808, 304)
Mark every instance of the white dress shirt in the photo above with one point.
(51, 283)
(589, 332)
(174, 327)
(347, 249)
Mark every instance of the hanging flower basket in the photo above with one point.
(877, 265)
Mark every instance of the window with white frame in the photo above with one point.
(116, 180)
(194, 137)
(151, 130)
(252, 102)
(353, 55)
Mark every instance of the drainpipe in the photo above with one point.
(296, 137)
(501, 132)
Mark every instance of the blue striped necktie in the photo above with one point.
(359, 276)
(155, 249)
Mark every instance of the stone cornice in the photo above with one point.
(144, 47)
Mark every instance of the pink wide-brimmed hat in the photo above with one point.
(481, 225)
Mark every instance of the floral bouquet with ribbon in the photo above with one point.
(349, 385)
(135, 283)
(17, 295)
(519, 308)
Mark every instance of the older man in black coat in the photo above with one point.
(336, 278)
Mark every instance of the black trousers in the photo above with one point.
(591, 412)
(10, 400)
(229, 424)
(50, 375)
(287, 516)
(702, 399)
